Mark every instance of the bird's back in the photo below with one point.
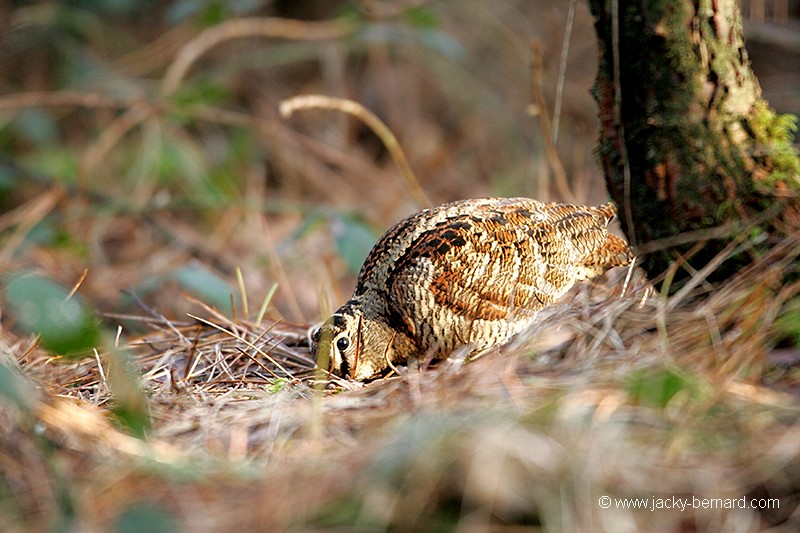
(477, 271)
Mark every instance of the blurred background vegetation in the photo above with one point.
(138, 142)
(143, 158)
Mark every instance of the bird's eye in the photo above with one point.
(342, 344)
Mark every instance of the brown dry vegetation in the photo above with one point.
(173, 177)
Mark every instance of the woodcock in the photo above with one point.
(468, 273)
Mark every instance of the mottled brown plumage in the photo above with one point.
(472, 272)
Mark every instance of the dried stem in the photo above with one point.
(244, 28)
(312, 101)
(559, 173)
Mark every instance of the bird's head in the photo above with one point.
(350, 344)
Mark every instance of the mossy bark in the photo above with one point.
(690, 150)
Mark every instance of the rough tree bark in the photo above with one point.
(692, 154)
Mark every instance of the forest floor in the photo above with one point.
(154, 200)
(614, 400)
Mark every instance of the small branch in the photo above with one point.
(562, 69)
(243, 28)
(109, 138)
(137, 110)
(65, 99)
(559, 173)
(244, 340)
(311, 101)
(707, 234)
(199, 112)
(25, 218)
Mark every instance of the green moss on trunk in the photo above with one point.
(703, 148)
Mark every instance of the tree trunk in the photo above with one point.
(694, 157)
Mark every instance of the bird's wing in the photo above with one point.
(496, 260)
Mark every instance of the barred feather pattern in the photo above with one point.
(471, 272)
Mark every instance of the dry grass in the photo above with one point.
(616, 391)
(245, 435)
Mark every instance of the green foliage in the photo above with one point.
(787, 325)
(196, 280)
(206, 285)
(354, 239)
(16, 388)
(774, 136)
(657, 387)
(54, 162)
(36, 126)
(352, 236)
(200, 93)
(66, 327)
(110, 7)
(345, 512)
(351, 12)
(421, 17)
(767, 124)
(42, 307)
(10, 179)
(150, 517)
(132, 416)
(277, 385)
(129, 402)
(209, 12)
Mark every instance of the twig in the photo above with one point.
(259, 363)
(153, 56)
(729, 251)
(242, 291)
(628, 276)
(559, 173)
(66, 99)
(623, 146)
(707, 234)
(202, 112)
(77, 284)
(160, 318)
(100, 369)
(242, 339)
(243, 28)
(311, 101)
(109, 138)
(265, 304)
(562, 69)
(26, 217)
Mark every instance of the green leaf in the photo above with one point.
(182, 10)
(36, 126)
(41, 306)
(352, 13)
(310, 223)
(136, 420)
(201, 93)
(55, 162)
(354, 239)
(277, 385)
(149, 517)
(787, 325)
(206, 285)
(214, 13)
(15, 387)
(422, 17)
(656, 386)
(124, 381)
